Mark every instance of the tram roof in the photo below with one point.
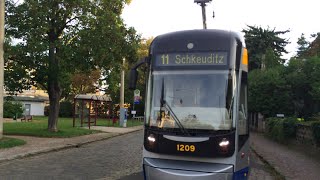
(202, 38)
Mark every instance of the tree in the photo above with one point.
(303, 45)
(12, 109)
(302, 76)
(271, 60)
(269, 93)
(82, 83)
(113, 76)
(298, 82)
(314, 47)
(259, 40)
(143, 51)
(60, 38)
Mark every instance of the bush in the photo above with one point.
(281, 129)
(316, 131)
(290, 127)
(277, 131)
(271, 123)
(66, 109)
(46, 110)
(12, 109)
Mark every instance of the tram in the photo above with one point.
(196, 118)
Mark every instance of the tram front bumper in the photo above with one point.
(160, 169)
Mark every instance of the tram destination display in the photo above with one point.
(192, 59)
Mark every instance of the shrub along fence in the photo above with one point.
(281, 129)
(285, 129)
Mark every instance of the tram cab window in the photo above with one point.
(197, 99)
(243, 119)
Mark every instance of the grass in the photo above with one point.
(130, 123)
(38, 127)
(6, 142)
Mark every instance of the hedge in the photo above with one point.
(281, 130)
(12, 109)
(315, 126)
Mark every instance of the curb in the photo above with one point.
(67, 146)
(273, 170)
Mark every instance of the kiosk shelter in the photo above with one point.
(88, 108)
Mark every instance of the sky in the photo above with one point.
(154, 17)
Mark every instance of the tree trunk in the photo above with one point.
(54, 98)
(54, 88)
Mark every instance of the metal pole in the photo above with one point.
(122, 86)
(122, 115)
(203, 7)
(1, 64)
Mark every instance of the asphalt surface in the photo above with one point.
(115, 158)
(108, 159)
(110, 155)
(259, 171)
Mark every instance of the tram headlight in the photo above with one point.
(224, 143)
(224, 146)
(151, 139)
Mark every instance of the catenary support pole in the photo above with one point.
(1, 64)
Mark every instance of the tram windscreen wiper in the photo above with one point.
(165, 105)
(185, 131)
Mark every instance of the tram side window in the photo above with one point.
(243, 112)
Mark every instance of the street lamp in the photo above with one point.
(123, 110)
(203, 5)
(1, 64)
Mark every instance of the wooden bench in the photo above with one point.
(139, 118)
(26, 118)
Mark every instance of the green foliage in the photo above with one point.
(281, 130)
(303, 45)
(61, 38)
(302, 76)
(290, 127)
(66, 109)
(269, 93)
(277, 132)
(12, 109)
(259, 41)
(291, 90)
(271, 122)
(312, 69)
(315, 126)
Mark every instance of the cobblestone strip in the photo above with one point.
(292, 164)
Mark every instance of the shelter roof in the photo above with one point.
(93, 97)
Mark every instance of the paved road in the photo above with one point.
(292, 164)
(115, 158)
(109, 159)
(258, 171)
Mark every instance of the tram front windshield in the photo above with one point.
(194, 99)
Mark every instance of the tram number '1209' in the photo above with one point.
(185, 147)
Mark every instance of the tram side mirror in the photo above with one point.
(133, 79)
(134, 74)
